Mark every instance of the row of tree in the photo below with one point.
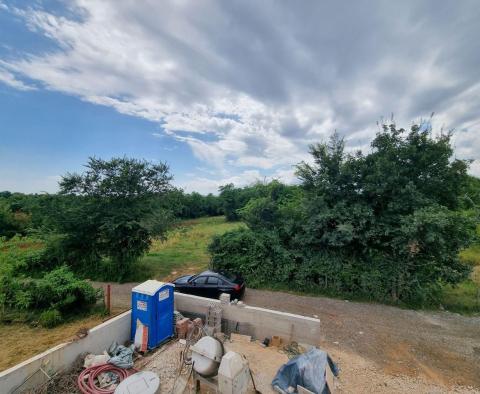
(386, 225)
(22, 214)
(103, 219)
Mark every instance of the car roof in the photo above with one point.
(211, 273)
(226, 276)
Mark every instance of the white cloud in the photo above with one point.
(251, 84)
(208, 185)
(9, 79)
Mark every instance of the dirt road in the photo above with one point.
(383, 349)
(438, 348)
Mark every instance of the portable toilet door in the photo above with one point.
(165, 307)
(144, 309)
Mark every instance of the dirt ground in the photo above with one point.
(380, 348)
(386, 349)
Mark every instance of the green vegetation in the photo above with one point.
(396, 225)
(183, 251)
(99, 226)
(385, 226)
(46, 298)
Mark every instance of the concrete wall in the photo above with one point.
(258, 322)
(62, 356)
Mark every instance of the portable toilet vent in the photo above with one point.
(152, 306)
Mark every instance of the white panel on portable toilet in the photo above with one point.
(149, 287)
(144, 382)
(233, 374)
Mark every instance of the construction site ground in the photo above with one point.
(263, 362)
(380, 348)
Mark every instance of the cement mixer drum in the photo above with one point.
(206, 356)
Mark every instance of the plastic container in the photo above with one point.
(144, 382)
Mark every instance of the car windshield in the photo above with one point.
(229, 276)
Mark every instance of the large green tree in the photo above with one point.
(110, 211)
(386, 225)
(391, 215)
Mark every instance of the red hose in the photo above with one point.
(86, 379)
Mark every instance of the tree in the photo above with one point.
(109, 212)
(390, 213)
(386, 225)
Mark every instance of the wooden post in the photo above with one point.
(108, 300)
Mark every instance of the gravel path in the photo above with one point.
(382, 348)
(440, 347)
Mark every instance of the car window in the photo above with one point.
(213, 280)
(200, 280)
(229, 276)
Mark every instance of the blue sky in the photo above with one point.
(225, 91)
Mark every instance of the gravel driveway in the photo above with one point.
(381, 348)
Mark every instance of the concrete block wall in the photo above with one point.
(258, 322)
(62, 356)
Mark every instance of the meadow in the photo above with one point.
(183, 251)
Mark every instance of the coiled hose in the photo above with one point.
(86, 379)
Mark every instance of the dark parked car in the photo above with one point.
(211, 284)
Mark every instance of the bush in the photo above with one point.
(385, 226)
(259, 256)
(50, 318)
(58, 290)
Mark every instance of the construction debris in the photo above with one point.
(122, 356)
(308, 370)
(92, 360)
(65, 382)
(182, 326)
(276, 341)
(225, 298)
(240, 338)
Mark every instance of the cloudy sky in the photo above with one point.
(225, 91)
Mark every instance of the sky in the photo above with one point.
(226, 91)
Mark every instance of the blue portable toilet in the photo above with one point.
(152, 304)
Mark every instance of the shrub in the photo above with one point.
(50, 318)
(257, 255)
(58, 290)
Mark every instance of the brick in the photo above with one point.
(182, 328)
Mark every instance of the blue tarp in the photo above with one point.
(306, 370)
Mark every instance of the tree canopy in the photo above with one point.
(385, 224)
(114, 213)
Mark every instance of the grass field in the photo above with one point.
(184, 250)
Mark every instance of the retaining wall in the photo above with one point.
(64, 355)
(258, 322)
